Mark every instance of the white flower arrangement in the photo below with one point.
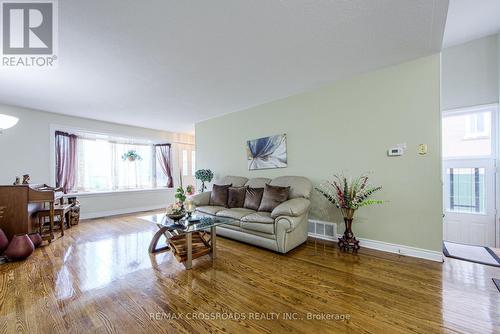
(174, 209)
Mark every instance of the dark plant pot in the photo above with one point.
(4, 242)
(20, 247)
(36, 239)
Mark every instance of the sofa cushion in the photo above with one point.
(258, 227)
(253, 196)
(258, 182)
(299, 186)
(210, 209)
(201, 199)
(235, 213)
(272, 197)
(218, 196)
(259, 217)
(236, 197)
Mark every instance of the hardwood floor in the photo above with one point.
(100, 278)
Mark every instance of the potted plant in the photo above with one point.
(131, 155)
(349, 195)
(204, 175)
(180, 195)
(190, 190)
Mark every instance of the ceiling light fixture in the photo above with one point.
(7, 121)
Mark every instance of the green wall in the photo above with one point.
(348, 126)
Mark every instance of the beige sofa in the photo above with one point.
(280, 230)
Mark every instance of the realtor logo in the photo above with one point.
(28, 28)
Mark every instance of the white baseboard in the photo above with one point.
(395, 248)
(92, 215)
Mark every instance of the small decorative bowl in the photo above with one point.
(176, 216)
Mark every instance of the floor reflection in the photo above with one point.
(462, 281)
(103, 261)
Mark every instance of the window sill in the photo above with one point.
(475, 137)
(114, 192)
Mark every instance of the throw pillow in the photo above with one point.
(236, 197)
(253, 196)
(218, 196)
(272, 197)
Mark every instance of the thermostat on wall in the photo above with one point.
(395, 151)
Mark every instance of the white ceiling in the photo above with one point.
(471, 19)
(167, 64)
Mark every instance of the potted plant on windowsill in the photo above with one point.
(131, 155)
(349, 195)
(190, 190)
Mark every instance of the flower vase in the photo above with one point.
(20, 247)
(348, 240)
(4, 242)
(36, 239)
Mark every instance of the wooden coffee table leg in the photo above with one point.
(189, 242)
(154, 242)
(213, 238)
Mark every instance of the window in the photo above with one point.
(185, 158)
(465, 190)
(193, 162)
(112, 164)
(478, 126)
(184, 163)
(468, 134)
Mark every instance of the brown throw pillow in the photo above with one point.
(272, 197)
(218, 196)
(236, 197)
(253, 196)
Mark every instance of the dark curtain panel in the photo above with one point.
(164, 158)
(65, 160)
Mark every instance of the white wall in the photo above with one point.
(348, 126)
(27, 149)
(470, 73)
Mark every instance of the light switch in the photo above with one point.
(422, 149)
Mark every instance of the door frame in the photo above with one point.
(495, 149)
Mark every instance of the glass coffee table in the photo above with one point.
(180, 235)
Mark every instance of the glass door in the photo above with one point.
(469, 201)
(469, 176)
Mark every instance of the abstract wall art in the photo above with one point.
(267, 152)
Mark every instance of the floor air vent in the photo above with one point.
(322, 230)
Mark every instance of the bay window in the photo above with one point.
(103, 163)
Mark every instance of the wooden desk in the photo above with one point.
(21, 202)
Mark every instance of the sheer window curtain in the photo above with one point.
(65, 160)
(164, 157)
(186, 153)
